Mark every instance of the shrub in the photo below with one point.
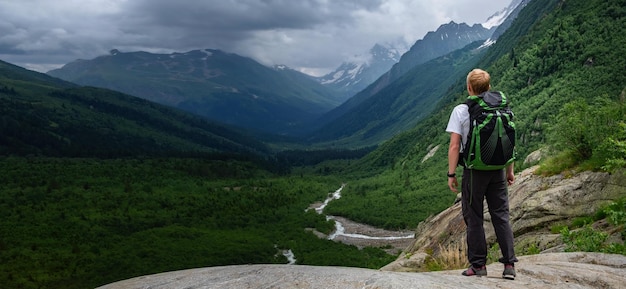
(453, 256)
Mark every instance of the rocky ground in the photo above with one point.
(543, 271)
(394, 246)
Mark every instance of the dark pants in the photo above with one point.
(492, 186)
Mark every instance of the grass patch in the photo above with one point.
(562, 161)
(453, 256)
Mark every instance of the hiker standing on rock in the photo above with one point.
(482, 139)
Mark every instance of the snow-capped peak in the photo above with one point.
(379, 59)
(361, 70)
(499, 17)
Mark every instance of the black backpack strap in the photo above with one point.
(472, 106)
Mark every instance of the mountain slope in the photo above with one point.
(42, 115)
(447, 38)
(389, 106)
(554, 54)
(430, 130)
(224, 87)
(354, 76)
(400, 105)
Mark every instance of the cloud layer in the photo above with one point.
(314, 36)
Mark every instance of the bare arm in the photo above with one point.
(453, 159)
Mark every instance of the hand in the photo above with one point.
(510, 178)
(453, 184)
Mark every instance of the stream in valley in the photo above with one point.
(357, 234)
(362, 235)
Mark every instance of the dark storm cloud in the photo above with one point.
(310, 35)
(243, 15)
(230, 21)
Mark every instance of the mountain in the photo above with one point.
(502, 19)
(561, 65)
(221, 86)
(407, 93)
(42, 115)
(400, 105)
(498, 18)
(354, 76)
(447, 38)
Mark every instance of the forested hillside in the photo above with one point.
(45, 116)
(561, 63)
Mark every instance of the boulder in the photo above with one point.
(536, 204)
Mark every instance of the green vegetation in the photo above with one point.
(79, 223)
(40, 118)
(97, 186)
(587, 238)
(592, 136)
(573, 57)
(558, 58)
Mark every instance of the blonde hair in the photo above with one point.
(479, 81)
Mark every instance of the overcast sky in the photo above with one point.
(313, 36)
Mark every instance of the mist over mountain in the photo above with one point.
(406, 93)
(220, 86)
(353, 76)
(401, 104)
(237, 90)
(447, 38)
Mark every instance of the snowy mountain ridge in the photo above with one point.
(499, 17)
(354, 75)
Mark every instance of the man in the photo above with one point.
(478, 185)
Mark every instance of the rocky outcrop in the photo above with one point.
(536, 203)
(544, 271)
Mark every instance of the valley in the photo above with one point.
(99, 185)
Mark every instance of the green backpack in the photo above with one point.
(491, 139)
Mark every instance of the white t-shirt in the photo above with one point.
(459, 122)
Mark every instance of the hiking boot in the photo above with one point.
(471, 271)
(509, 272)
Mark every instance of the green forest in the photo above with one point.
(84, 222)
(97, 186)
